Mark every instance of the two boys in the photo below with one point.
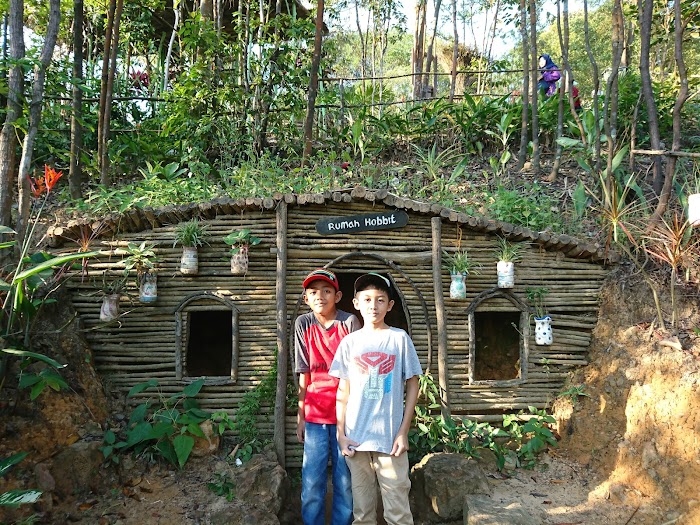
(372, 364)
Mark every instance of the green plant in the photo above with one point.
(23, 290)
(241, 240)
(530, 438)
(141, 258)
(536, 298)
(191, 233)
(165, 427)
(14, 498)
(507, 251)
(222, 485)
(573, 393)
(112, 286)
(459, 262)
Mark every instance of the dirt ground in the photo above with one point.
(628, 452)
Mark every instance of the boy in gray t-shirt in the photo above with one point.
(373, 365)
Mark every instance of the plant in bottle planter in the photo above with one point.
(543, 322)
(142, 258)
(694, 197)
(240, 242)
(191, 235)
(507, 254)
(111, 291)
(459, 265)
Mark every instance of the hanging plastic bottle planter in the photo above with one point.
(543, 330)
(458, 286)
(109, 310)
(505, 271)
(148, 287)
(189, 262)
(694, 209)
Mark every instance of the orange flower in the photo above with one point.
(51, 176)
(38, 186)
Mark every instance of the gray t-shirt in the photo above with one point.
(377, 365)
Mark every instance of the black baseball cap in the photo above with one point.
(373, 280)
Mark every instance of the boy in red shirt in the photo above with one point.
(317, 335)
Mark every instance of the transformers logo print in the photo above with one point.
(378, 366)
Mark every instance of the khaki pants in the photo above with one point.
(368, 468)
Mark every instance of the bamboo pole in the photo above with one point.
(282, 349)
(441, 319)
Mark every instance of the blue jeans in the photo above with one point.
(320, 442)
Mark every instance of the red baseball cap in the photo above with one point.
(322, 275)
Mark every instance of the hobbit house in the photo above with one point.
(230, 329)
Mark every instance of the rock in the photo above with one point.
(483, 510)
(440, 483)
(44, 479)
(235, 513)
(75, 468)
(261, 483)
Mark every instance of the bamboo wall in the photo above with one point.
(142, 345)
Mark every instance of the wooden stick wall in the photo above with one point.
(141, 345)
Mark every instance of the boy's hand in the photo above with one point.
(347, 446)
(301, 428)
(400, 444)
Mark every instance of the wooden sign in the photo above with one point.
(362, 223)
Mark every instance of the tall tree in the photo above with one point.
(35, 116)
(611, 90)
(8, 136)
(418, 54)
(313, 82)
(596, 84)
(646, 15)
(679, 27)
(75, 175)
(525, 90)
(532, 6)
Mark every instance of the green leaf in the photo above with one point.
(193, 389)
(37, 389)
(110, 437)
(141, 432)
(183, 447)
(33, 355)
(166, 449)
(19, 497)
(137, 389)
(139, 414)
(8, 462)
(54, 261)
(28, 380)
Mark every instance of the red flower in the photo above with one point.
(38, 186)
(51, 177)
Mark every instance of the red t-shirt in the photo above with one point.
(315, 348)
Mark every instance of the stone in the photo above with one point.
(44, 479)
(75, 468)
(261, 483)
(483, 510)
(440, 483)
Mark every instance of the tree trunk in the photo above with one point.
(563, 44)
(611, 91)
(679, 27)
(525, 90)
(596, 85)
(438, 4)
(646, 12)
(455, 52)
(35, 117)
(75, 174)
(418, 49)
(101, 141)
(532, 4)
(8, 137)
(313, 82)
(363, 41)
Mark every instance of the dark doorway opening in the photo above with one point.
(209, 343)
(497, 348)
(396, 317)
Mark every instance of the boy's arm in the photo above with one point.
(401, 439)
(341, 403)
(304, 380)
